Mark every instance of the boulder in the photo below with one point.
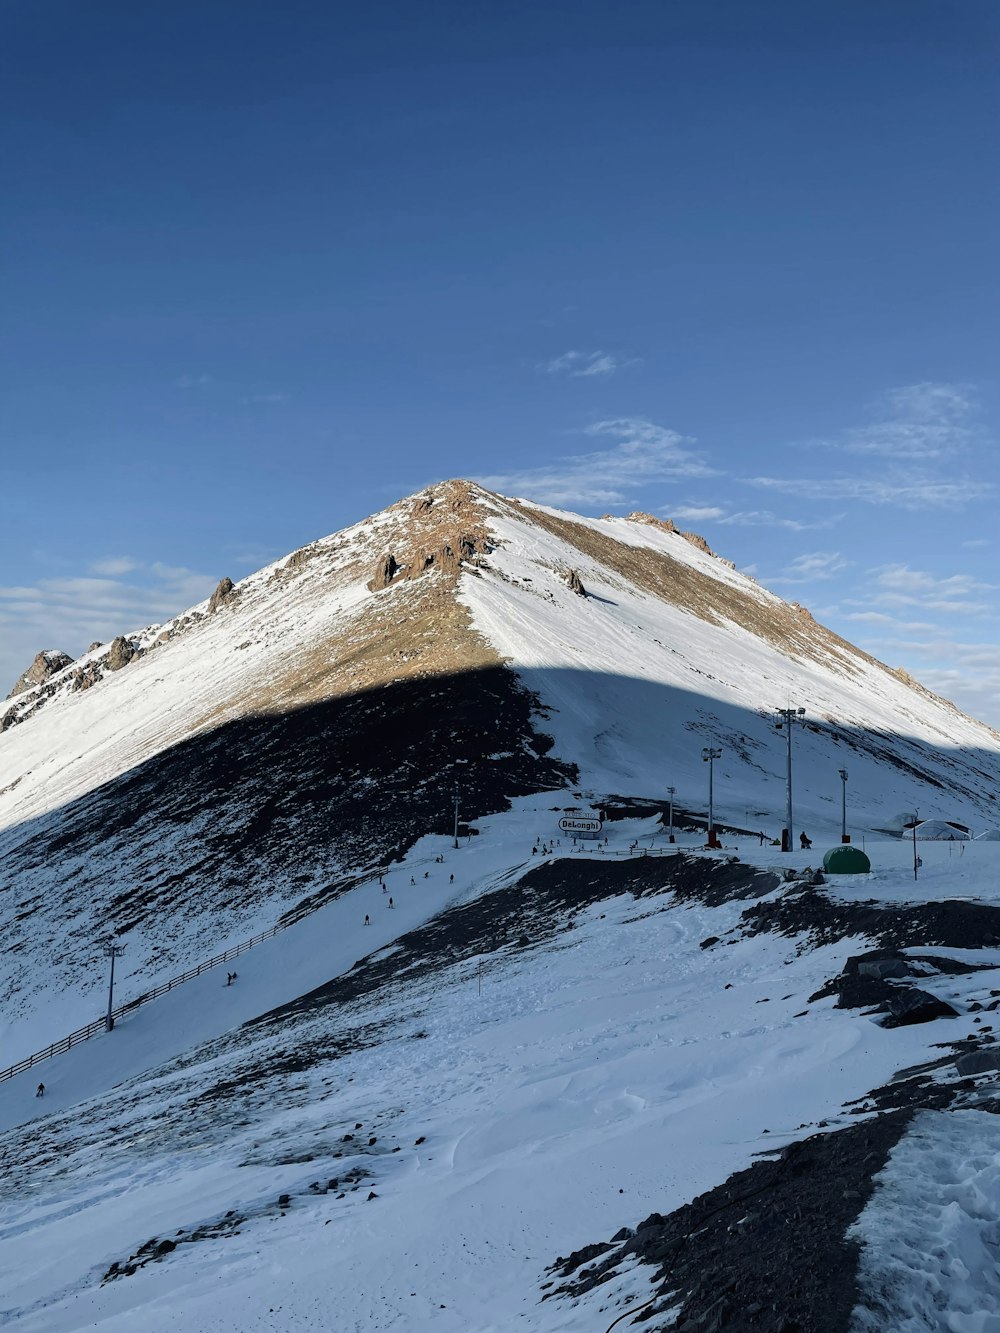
(221, 595)
(978, 1062)
(120, 654)
(883, 967)
(46, 664)
(385, 571)
(575, 583)
(911, 1005)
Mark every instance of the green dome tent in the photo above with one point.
(846, 860)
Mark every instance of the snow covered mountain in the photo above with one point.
(290, 751)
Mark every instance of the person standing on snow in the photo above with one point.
(41, 1090)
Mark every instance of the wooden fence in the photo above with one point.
(100, 1024)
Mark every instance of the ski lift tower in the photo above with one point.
(786, 716)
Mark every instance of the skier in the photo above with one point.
(804, 842)
(367, 922)
(390, 902)
(762, 836)
(385, 888)
(229, 978)
(412, 880)
(40, 1092)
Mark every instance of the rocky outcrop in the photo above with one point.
(385, 571)
(696, 539)
(668, 525)
(121, 652)
(650, 521)
(575, 583)
(87, 675)
(221, 595)
(46, 664)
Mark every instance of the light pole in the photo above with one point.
(111, 950)
(457, 762)
(916, 858)
(787, 716)
(671, 791)
(710, 756)
(844, 835)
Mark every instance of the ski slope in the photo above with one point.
(560, 1092)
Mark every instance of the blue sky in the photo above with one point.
(266, 268)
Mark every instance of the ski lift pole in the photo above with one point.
(112, 951)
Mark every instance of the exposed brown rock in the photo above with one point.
(385, 571)
(575, 583)
(46, 664)
(86, 676)
(221, 594)
(696, 539)
(121, 653)
(651, 521)
(98, 643)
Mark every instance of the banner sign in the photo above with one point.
(581, 826)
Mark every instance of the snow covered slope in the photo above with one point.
(191, 784)
(514, 1083)
(545, 1065)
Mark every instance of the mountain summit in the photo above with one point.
(312, 718)
(393, 1048)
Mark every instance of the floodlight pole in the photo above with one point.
(709, 756)
(844, 835)
(787, 716)
(455, 841)
(671, 791)
(916, 858)
(112, 951)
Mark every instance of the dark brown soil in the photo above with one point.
(763, 1253)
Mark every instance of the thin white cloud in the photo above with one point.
(697, 513)
(114, 565)
(917, 421)
(69, 613)
(812, 567)
(193, 381)
(908, 448)
(966, 673)
(582, 365)
(899, 586)
(889, 621)
(904, 489)
(643, 454)
(751, 518)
